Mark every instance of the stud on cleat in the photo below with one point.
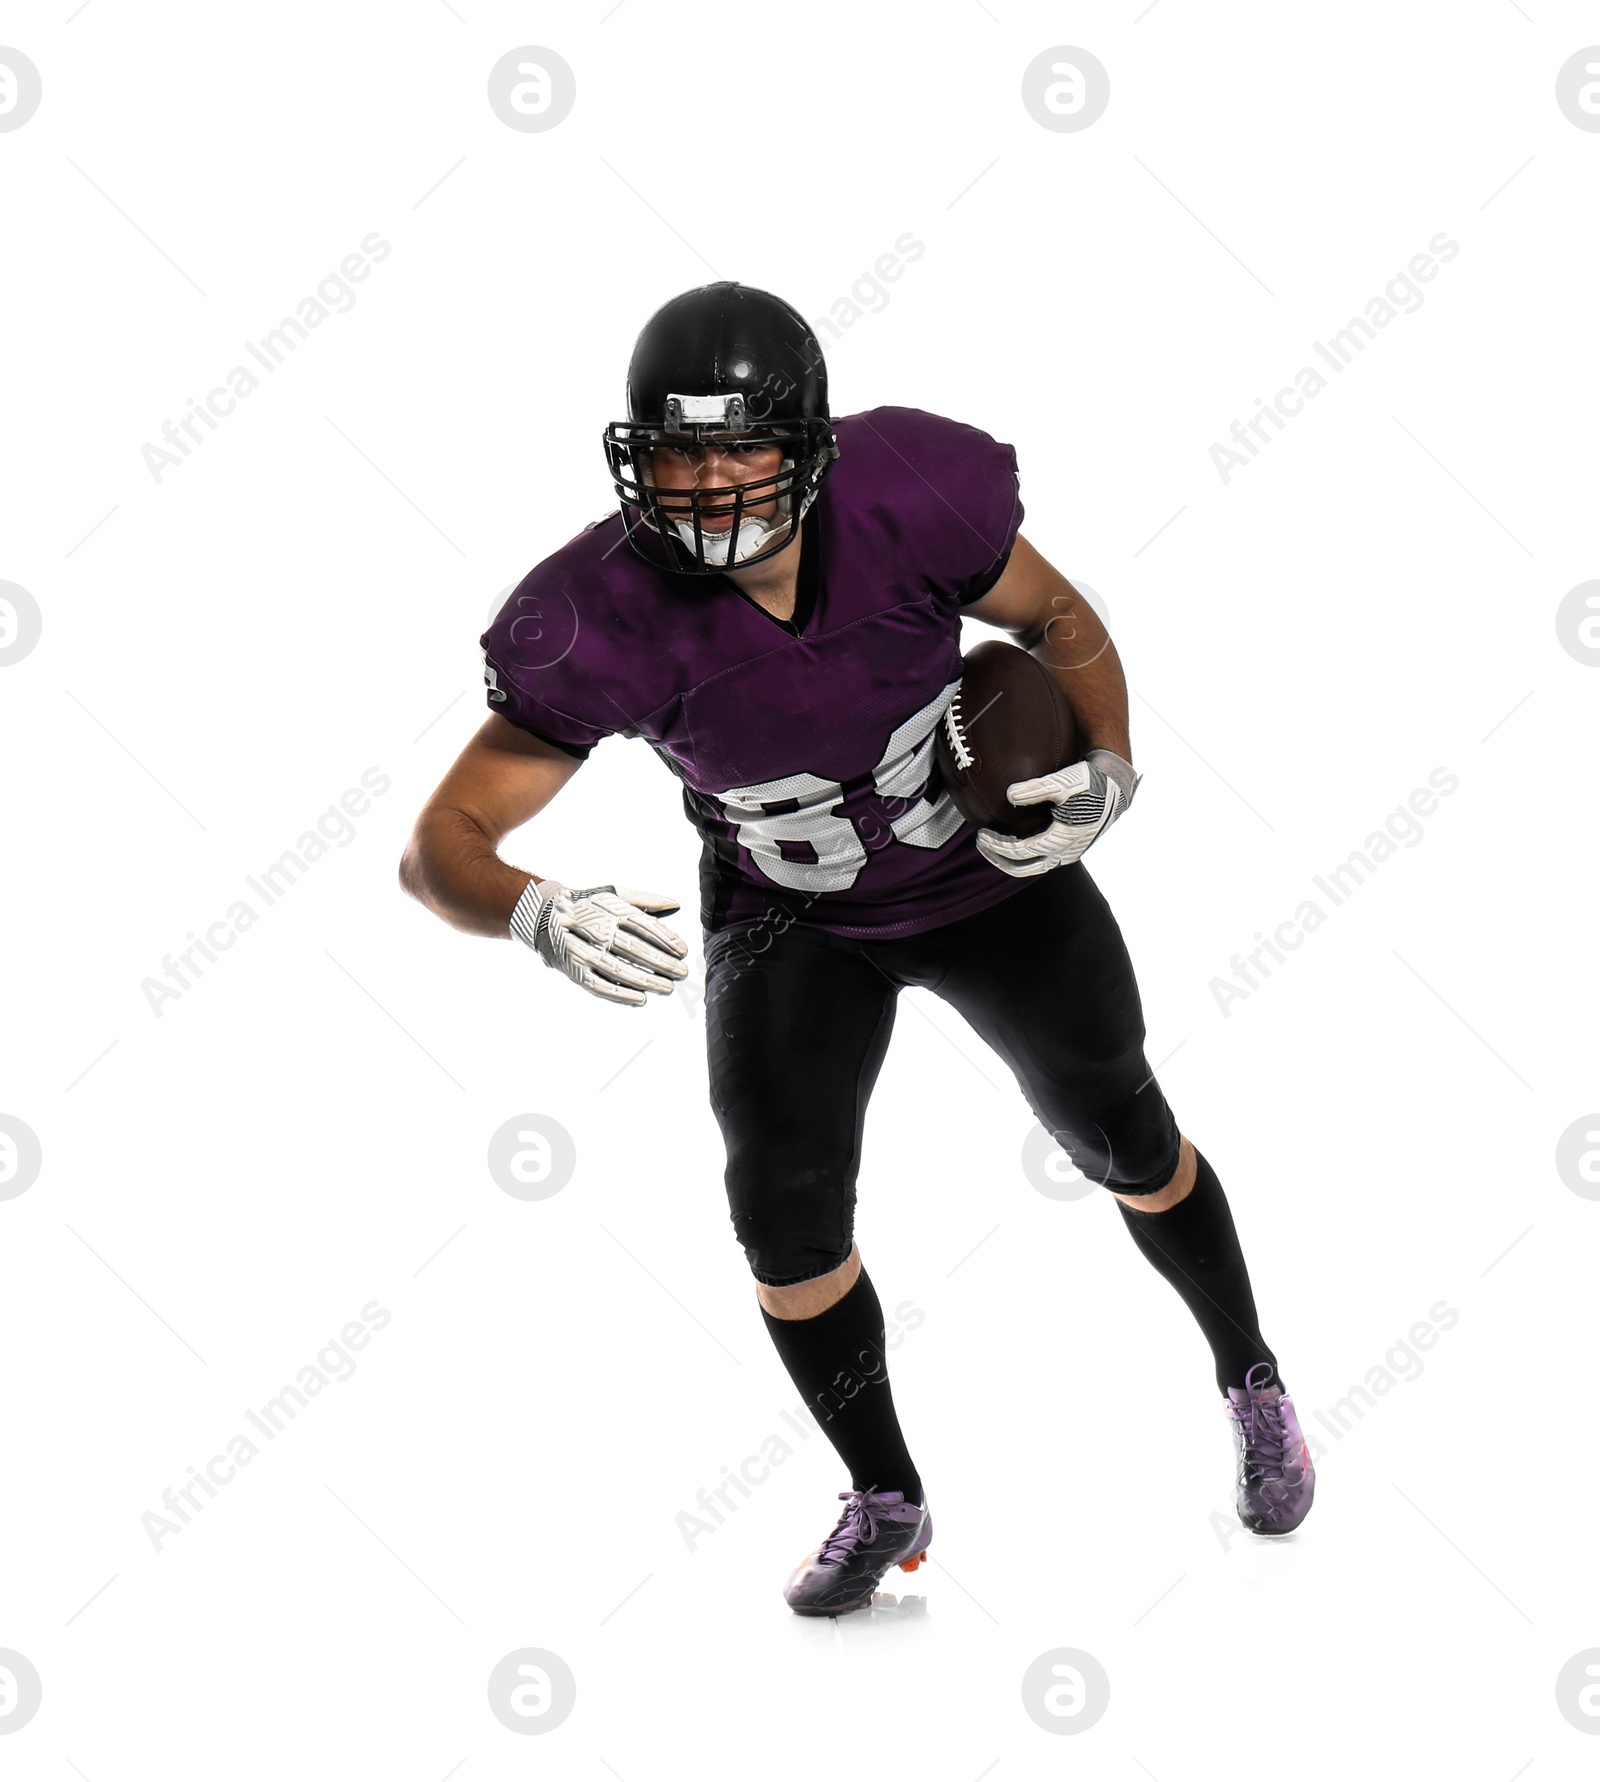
(910, 1565)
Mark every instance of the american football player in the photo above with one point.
(775, 607)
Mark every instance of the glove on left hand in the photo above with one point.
(1088, 798)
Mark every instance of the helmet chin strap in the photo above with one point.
(754, 533)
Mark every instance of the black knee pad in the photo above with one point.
(1132, 1149)
(794, 1224)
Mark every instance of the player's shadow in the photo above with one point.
(885, 1611)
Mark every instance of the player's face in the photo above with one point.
(713, 470)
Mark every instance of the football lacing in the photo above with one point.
(955, 730)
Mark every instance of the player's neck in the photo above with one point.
(774, 583)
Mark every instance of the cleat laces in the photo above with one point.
(856, 1524)
(1263, 1455)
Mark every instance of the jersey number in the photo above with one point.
(840, 853)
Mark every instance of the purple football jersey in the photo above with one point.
(805, 747)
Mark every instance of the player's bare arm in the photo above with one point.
(606, 939)
(1042, 610)
(502, 779)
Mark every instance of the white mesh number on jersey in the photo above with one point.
(840, 855)
(904, 769)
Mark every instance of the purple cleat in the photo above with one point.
(875, 1530)
(1276, 1478)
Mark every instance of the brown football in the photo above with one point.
(1009, 721)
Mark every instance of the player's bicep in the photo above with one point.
(504, 777)
(1033, 599)
(1020, 602)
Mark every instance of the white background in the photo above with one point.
(225, 651)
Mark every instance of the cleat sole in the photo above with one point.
(864, 1602)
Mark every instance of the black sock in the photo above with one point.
(838, 1362)
(1196, 1247)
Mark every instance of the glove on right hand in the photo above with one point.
(605, 938)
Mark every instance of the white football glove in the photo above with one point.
(605, 938)
(1088, 798)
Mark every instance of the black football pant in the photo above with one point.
(798, 1022)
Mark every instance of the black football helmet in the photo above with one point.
(722, 365)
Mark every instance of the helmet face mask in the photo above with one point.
(743, 521)
(724, 370)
